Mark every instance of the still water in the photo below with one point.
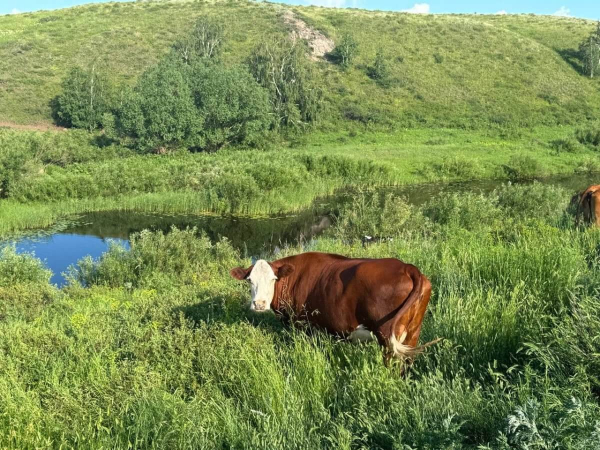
(91, 234)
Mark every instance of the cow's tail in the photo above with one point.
(396, 345)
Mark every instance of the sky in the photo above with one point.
(588, 9)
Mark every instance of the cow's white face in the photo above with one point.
(262, 279)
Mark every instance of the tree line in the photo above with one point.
(192, 99)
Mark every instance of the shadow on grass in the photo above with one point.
(571, 56)
(221, 310)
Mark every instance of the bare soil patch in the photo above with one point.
(319, 44)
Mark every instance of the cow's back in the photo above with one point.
(339, 293)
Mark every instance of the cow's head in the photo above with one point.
(262, 277)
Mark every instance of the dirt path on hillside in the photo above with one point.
(31, 127)
(319, 44)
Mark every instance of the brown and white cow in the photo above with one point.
(588, 206)
(345, 296)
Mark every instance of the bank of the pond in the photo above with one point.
(17, 217)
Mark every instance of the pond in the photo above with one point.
(91, 234)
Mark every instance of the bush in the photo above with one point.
(588, 165)
(345, 52)
(453, 168)
(537, 201)
(280, 66)
(234, 107)
(467, 211)
(589, 136)
(522, 167)
(568, 145)
(13, 165)
(204, 41)
(373, 214)
(180, 253)
(86, 96)
(160, 110)
(25, 268)
(379, 71)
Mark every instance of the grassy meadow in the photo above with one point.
(154, 347)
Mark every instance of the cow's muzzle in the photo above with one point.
(259, 306)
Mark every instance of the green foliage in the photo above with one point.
(281, 67)
(588, 165)
(21, 268)
(474, 47)
(375, 215)
(522, 167)
(86, 96)
(160, 111)
(453, 167)
(234, 108)
(345, 51)
(589, 136)
(466, 211)
(568, 145)
(204, 41)
(153, 346)
(536, 200)
(379, 70)
(589, 52)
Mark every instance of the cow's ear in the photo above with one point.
(284, 271)
(240, 273)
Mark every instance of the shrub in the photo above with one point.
(568, 145)
(25, 268)
(453, 168)
(468, 211)
(588, 165)
(345, 52)
(364, 113)
(379, 71)
(373, 214)
(13, 165)
(204, 41)
(280, 66)
(160, 110)
(234, 107)
(537, 201)
(522, 167)
(86, 96)
(180, 253)
(589, 136)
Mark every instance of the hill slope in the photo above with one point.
(447, 70)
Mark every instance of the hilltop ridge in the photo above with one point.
(465, 71)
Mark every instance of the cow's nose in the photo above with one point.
(260, 305)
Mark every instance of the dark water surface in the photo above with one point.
(91, 234)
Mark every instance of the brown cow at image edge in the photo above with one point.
(588, 205)
(345, 296)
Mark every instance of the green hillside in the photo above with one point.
(469, 71)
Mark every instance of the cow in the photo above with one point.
(349, 297)
(588, 206)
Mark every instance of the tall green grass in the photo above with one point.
(155, 347)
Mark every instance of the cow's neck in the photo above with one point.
(283, 300)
